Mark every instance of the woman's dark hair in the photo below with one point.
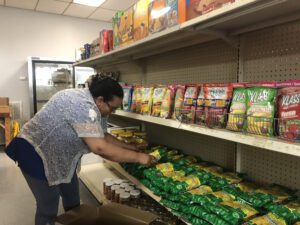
(105, 87)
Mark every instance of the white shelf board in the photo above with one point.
(272, 144)
(92, 175)
(230, 19)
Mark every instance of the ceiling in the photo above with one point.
(65, 7)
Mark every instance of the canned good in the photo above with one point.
(108, 186)
(113, 190)
(104, 181)
(134, 194)
(129, 188)
(124, 197)
(118, 181)
(124, 185)
(117, 194)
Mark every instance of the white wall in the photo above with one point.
(26, 33)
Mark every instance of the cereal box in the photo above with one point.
(157, 15)
(126, 28)
(140, 18)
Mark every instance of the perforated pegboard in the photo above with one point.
(213, 61)
(271, 54)
(131, 72)
(270, 167)
(210, 149)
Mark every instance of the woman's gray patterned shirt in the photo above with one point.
(56, 131)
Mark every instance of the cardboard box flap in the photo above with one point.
(110, 214)
(127, 213)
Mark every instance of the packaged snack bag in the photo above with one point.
(179, 96)
(289, 212)
(147, 96)
(168, 102)
(289, 110)
(280, 193)
(172, 16)
(200, 110)
(157, 15)
(217, 100)
(269, 219)
(261, 99)
(127, 98)
(247, 210)
(136, 100)
(158, 95)
(189, 103)
(237, 112)
(140, 19)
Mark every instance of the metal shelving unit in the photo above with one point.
(251, 40)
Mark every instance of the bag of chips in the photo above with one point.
(147, 97)
(200, 112)
(261, 100)
(136, 99)
(168, 102)
(269, 219)
(189, 104)
(237, 110)
(126, 104)
(289, 110)
(178, 102)
(158, 95)
(217, 100)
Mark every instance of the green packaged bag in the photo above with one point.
(260, 110)
(269, 219)
(211, 218)
(237, 110)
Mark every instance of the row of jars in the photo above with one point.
(119, 190)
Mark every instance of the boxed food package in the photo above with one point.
(190, 9)
(157, 15)
(260, 103)
(173, 13)
(140, 18)
(116, 25)
(288, 106)
(106, 42)
(126, 27)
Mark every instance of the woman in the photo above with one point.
(50, 145)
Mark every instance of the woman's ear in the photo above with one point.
(99, 100)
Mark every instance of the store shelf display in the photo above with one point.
(204, 193)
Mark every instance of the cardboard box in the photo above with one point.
(4, 101)
(116, 25)
(157, 15)
(126, 27)
(114, 214)
(189, 9)
(140, 18)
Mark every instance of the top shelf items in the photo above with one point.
(224, 23)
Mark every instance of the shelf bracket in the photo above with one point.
(232, 40)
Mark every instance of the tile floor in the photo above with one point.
(17, 205)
